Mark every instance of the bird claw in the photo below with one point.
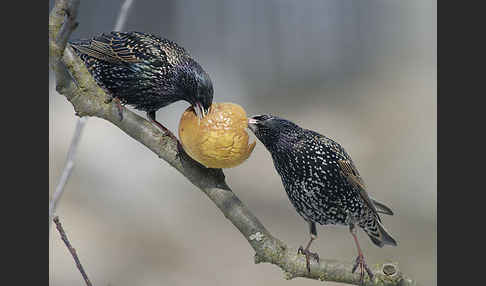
(308, 254)
(362, 267)
(110, 99)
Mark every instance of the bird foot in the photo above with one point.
(362, 267)
(108, 99)
(164, 130)
(118, 104)
(308, 254)
(180, 150)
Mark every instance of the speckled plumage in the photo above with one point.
(315, 173)
(320, 178)
(145, 71)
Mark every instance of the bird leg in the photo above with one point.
(306, 251)
(360, 261)
(151, 116)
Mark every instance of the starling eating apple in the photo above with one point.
(322, 183)
(145, 71)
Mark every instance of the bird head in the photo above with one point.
(272, 131)
(202, 92)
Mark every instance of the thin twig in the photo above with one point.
(66, 30)
(122, 16)
(71, 250)
(68, 167)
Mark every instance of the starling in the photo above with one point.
(145, 71)
(321, 182)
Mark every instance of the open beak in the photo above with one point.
(252, 123)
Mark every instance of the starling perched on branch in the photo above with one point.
(145, 71)
(321, 182)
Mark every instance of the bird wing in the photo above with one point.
(349, 171)
(113, 47)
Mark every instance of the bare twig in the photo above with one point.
(89, 100)
(70, 10)
(67, 168)
(71, 250)
(122, 16)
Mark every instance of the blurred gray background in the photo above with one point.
(361, 72)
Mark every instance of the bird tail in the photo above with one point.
(380, 236)
(381, 207)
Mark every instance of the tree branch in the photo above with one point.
(89, 100)
(68, 167)
(71, 250)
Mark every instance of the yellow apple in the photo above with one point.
(220, 139)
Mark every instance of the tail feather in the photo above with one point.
(382, 236)
(381, 207)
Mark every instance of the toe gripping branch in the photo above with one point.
(360, 261)
(306, 251)
(308, 255)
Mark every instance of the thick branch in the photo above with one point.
(89, 100)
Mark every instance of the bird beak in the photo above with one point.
(252, 123)
(199, 110)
